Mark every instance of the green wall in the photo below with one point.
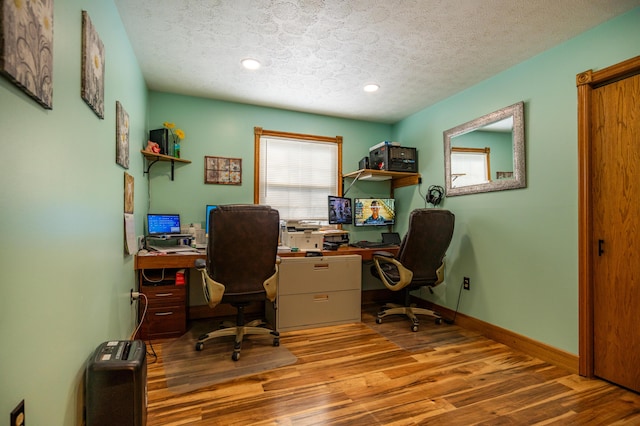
(65, 278)
(226, 129)
(519, 247)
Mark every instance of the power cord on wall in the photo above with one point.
(135, 295)
(455, 314)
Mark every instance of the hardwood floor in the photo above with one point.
(350, 375)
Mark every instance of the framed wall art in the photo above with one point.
(222, 170)
(122, 136)
(92, 86)
(26, 47)
(128, 193)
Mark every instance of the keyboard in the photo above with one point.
(173, 249)
(370, 244)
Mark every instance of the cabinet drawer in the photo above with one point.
(164, 321)
(165, 293)
(319, 274)
(319, 309)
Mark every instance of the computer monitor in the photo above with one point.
(163, 224)
(209, 208)
(374, 211)
(340, 211)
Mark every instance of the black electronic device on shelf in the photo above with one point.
(394, 159)
(161, 137)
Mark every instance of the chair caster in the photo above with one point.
(199, 346)
(276, 341)
(235, 356)
(414, 328)
(378, 320)
(438, 321)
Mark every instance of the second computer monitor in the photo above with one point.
(340, 211)
(208, 211)
(374, 211)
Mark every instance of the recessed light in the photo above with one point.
(371, 88)
(250, 64)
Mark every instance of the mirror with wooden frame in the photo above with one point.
(486, 154)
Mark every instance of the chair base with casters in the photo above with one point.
(408, 309)
(238, 329)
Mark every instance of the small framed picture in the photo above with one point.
(92, 91)
(128, 193)
(222, 170)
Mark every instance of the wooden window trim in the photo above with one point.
(258, 132)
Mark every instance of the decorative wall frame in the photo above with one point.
(128, 193)
(122, 136)
(26, 47)
(222, 170)
(92, 89)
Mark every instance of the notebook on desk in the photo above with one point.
(164, 226)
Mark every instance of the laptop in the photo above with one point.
(164, 226)
(391, 238)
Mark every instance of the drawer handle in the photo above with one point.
(164, 294)
(163, 314)
(320, 297)
(321, 266)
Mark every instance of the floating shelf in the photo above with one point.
(153, 158)
(398, 179)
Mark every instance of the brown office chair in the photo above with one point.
(241, 266)
(419, 263)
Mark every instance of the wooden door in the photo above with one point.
(615, 236)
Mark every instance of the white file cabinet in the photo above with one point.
(317, 292)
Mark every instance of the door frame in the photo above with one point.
(586, 82)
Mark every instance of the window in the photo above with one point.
(294, 173)
(469, 166)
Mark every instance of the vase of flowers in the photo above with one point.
(176, 137)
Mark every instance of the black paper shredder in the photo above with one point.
(116, 384)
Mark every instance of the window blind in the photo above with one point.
(296, 176)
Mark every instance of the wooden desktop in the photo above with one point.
(175, 260)
(168, 299)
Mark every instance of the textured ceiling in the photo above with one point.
(318, 54)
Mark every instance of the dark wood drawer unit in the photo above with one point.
(166, 314)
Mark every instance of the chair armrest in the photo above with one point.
(213, 290)
(384, 254)
(405, 274)
(271, 284)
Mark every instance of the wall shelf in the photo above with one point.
(153, 158)
(398, 179)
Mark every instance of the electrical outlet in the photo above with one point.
(466, 283)
(17, 415)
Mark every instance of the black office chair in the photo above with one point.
(241, 266)
(419, 263)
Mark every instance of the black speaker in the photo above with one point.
(363, 163)
(116, 384)
(161, 137)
